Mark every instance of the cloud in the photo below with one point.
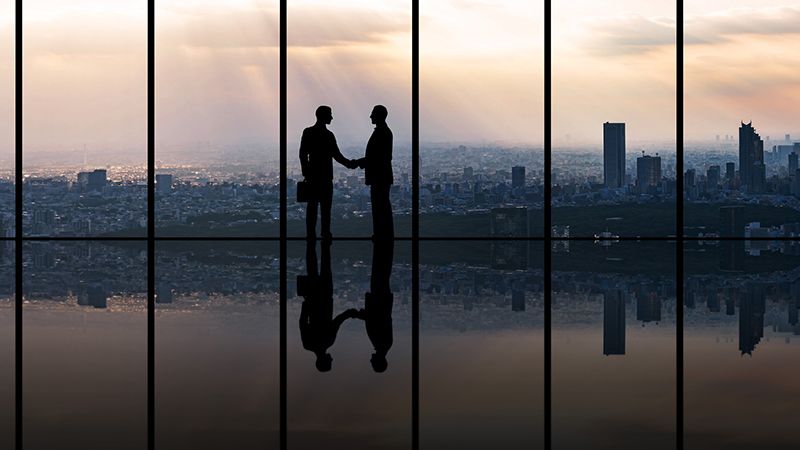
(307, 27)
(633, 34)
(629, 34)
(720, 27)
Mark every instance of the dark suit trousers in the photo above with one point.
(322, 195)
(382, 221)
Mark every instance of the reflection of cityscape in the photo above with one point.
(584, 299)
(748, 297)
(86, 274)
(497, 289)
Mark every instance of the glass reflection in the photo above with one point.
(85, 347)
(614, 151)
(349, 354)
(614, 345)
(217, 77)
(741, 308)
(85, 120)
(217, 315)
(481, 345)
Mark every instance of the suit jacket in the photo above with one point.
(377, 161)
(318, 149)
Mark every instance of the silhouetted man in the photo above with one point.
(377, 312)
(318, 327)
(318, 149)
(377, 165)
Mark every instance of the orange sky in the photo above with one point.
(481, 70)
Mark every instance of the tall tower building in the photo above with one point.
(751, 158)
(614, 154)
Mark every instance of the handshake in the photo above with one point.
(355, 163)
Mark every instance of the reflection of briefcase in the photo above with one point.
(302, 285)
(303, 191)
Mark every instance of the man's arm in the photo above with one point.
(304, 151)
(386, 150)
(337, 155)
(339, 320)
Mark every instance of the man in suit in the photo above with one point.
(318, 149)
(377, 165)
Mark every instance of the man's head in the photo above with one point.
(379, 113)
(379, 363)
(324, 114)
(324, 362)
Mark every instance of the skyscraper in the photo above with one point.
(793, 162)
(648, 173)
(614, 154)
(751, 158)
(518, 177)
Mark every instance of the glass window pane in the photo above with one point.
(85, 347)
(349, 345)
(85, 95)
(482, 118)
(7, 120)
(742, 121)
(614, 382)
(217, 118)
(481, 345)
(350, 56)
(741, 344)
(614, 118)
(217, 349)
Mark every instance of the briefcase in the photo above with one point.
(303, 192)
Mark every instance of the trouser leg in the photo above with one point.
(326, 201)
(382, 220)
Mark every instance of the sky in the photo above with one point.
(481, 71)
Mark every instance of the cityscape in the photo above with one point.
(745, 186)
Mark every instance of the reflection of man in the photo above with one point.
(318, 327)
(377, 312)
(318, 149)
(377, 165)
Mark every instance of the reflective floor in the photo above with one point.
(349, 348)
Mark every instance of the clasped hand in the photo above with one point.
(355, 164)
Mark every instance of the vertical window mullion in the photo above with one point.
(283, 217)
(18, 226)
(415, 313)
(548, 193)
